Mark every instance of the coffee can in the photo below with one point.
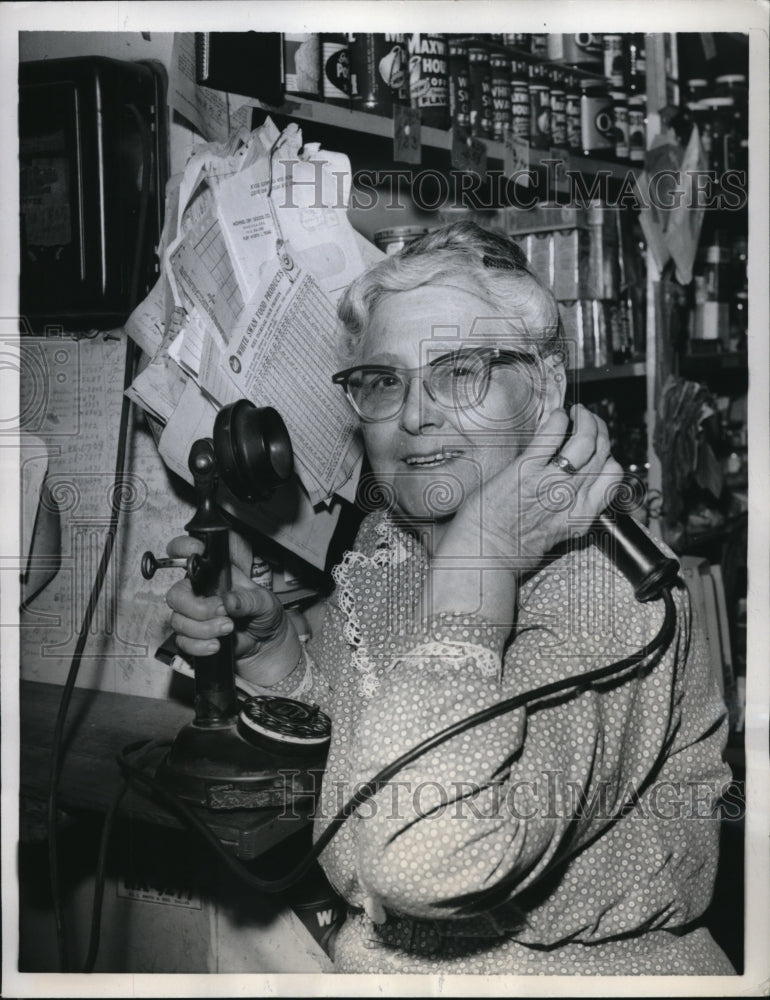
(481, 90)
(585, 50)
(499, 64)
(336, 69)
(637, 132)
(572, 112)
(459, 83)
(378, 72)
(429, 77)
(302, 64)
(520, 107)
(620, 118)
(558, 99)
(539, 115)
(613, 60)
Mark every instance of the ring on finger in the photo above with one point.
(563, 463)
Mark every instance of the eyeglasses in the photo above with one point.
(459, 380)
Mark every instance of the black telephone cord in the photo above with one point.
(132, 773)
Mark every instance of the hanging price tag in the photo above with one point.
(516, 159)
(468, 152)
(407, 142)
(558, 166)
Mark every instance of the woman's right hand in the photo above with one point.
(267, 647)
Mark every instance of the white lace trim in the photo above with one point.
(461, 655)
(395, 547)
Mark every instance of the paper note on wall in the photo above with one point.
(295, 321)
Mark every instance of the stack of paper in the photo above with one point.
(256, 251)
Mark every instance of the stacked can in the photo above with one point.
(637, 131)
(480, 76)
(585, 51)
(336, 69)
(378, 72)
(539, 106)
(596, 120)
(500, 78)
(429, 78)
(620, 124)
(613, 61)
(519, 97)
(459, 83)
(558, 101)
(572, 112)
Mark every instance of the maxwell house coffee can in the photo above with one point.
(429, 78)
(336, 69)
(379, 72)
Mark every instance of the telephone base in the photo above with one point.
(216, 768)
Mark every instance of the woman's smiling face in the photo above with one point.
(428, 456)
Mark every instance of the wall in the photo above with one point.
(132, 619)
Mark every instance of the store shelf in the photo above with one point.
(332, 116)
(609, 373)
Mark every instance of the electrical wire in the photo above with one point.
(658, 644)
(101, 573)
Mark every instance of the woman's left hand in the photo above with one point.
(531, 505)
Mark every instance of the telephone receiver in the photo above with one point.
(623, 540)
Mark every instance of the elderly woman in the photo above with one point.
(574, 835)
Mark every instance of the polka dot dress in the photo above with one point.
(573, 836)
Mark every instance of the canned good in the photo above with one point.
(520, 108)
(539, 116)
(336, 69)
(613, 60)
(501, 94)
(391, 241)
(620, 117)
(584, 50)
(519, 66)
(558, 100)
(481, 90)
(429, 78)
(302, 64)
(637, 129)
(572, 112)
(459, 83)
(378, 72)
(597, 125)
(518, 41)
(634, 64)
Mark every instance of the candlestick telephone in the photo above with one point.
(233, 756)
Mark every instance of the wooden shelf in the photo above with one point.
(333, 116)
